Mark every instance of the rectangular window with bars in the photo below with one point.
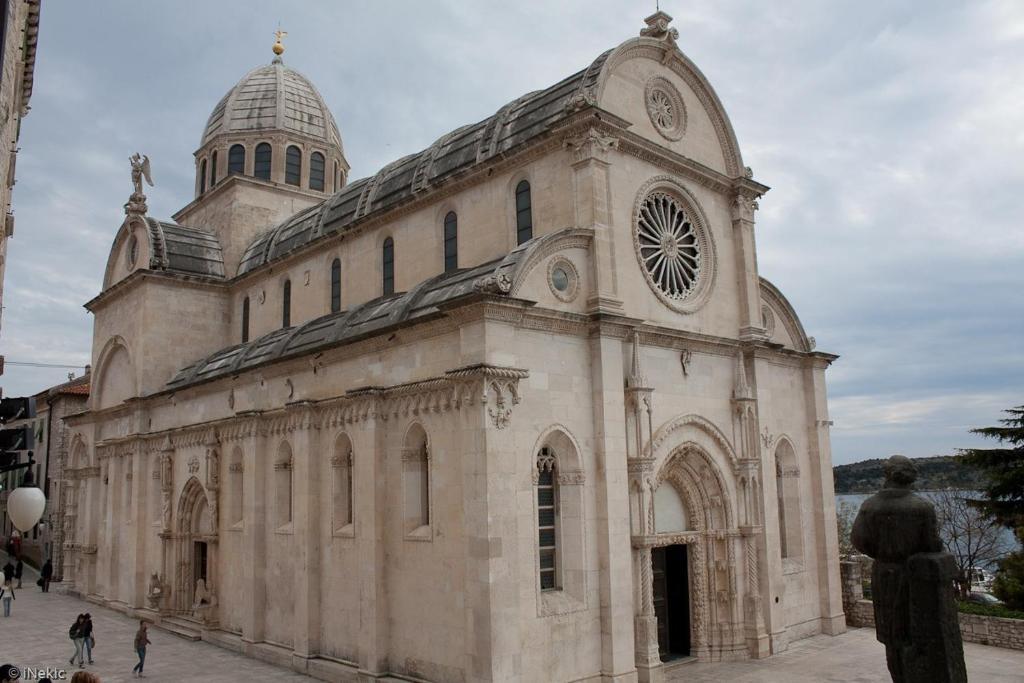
(546, 524)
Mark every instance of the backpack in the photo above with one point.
(73, 631)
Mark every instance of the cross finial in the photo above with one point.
(278, 45)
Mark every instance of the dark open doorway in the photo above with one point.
(199, 557)
(671, 601)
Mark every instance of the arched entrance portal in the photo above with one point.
(196, 545)
(687, 566)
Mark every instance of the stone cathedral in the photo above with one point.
(516, 407)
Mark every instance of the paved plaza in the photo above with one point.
(854, 657)
(36, 636)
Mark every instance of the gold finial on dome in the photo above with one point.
(278, 45)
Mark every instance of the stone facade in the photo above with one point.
(19, 31)
(349, 457)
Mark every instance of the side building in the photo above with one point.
(53, 405)
(516, 407)
(19, 32)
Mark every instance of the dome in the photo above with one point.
(273, 97)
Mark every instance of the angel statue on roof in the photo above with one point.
(140, 169)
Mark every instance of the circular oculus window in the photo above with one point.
(563, 279)
(673, 249)
(666, 109)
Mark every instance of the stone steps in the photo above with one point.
(183, 628)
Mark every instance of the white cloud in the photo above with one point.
(890, 133)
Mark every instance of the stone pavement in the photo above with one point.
(36, 635)
(854, 657)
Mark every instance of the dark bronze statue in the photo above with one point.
(912, 581)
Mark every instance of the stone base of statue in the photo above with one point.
(936, 652)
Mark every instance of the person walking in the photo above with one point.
(46, 574)
(75, 633)
(88, 641)
(19, 569)
(141, 641)
(8, 570)
(7, 595)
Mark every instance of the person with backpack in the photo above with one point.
(88, 641)
(75, 633)
(7, 595)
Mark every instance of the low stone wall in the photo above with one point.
(974, 628)
(996, 631)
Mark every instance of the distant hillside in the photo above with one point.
(939, 472)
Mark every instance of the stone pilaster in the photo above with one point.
(254, 510)
(592, 202)
(819, 453)
(743, 207)
(306, 443)
(369, 492)
(615, 580)
(752, 512)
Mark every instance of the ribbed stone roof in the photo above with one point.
(185, 250)
(454, 153)
(368, 319)
(273, 97)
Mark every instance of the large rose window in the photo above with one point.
(669, 246)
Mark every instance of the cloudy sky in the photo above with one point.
(891, 132)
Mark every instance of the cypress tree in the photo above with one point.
(1004, 467)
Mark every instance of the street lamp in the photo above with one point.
(26, 503)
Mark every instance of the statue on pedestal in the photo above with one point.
(911, 581)
(155, 592)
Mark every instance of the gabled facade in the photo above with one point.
(517, 407)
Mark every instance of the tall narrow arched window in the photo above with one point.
(787, 484)
(245, 320)
(451, 242)
(262, 160)
(335, 285)
(341, 464)
(293, 165)
(236, 487)
(316, 171)
(547, 519)
(236, 160)
(388, 266)
(202, 176)
(213, 169)
(286, 304)
(416, 482)
(283, 482)
(524, 215)
(337, 177)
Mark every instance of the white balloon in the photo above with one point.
(25, 507)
